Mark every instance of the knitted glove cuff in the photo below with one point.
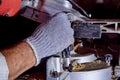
(40, 46)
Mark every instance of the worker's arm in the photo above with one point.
(48, 39)
(20, 58)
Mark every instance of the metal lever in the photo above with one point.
(66, 57)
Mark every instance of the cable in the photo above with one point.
(81, 9)
(113, 49)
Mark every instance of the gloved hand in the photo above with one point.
(53, 37)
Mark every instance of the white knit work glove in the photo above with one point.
(52, 37)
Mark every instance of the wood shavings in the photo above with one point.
(98, 64)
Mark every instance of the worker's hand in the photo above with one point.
(52, 37)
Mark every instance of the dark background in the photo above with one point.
(15, 29)
(110, 9)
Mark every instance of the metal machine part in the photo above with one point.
(38, 4)
(80, 8)
(59, 68)
(50, 7)
(83, 58)
(66, 57)
(10, 8)
(106, 25)
(86, 30)
(34, 14)
(108, 58)
(30, 3)
(55, 71)
(101, 74)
